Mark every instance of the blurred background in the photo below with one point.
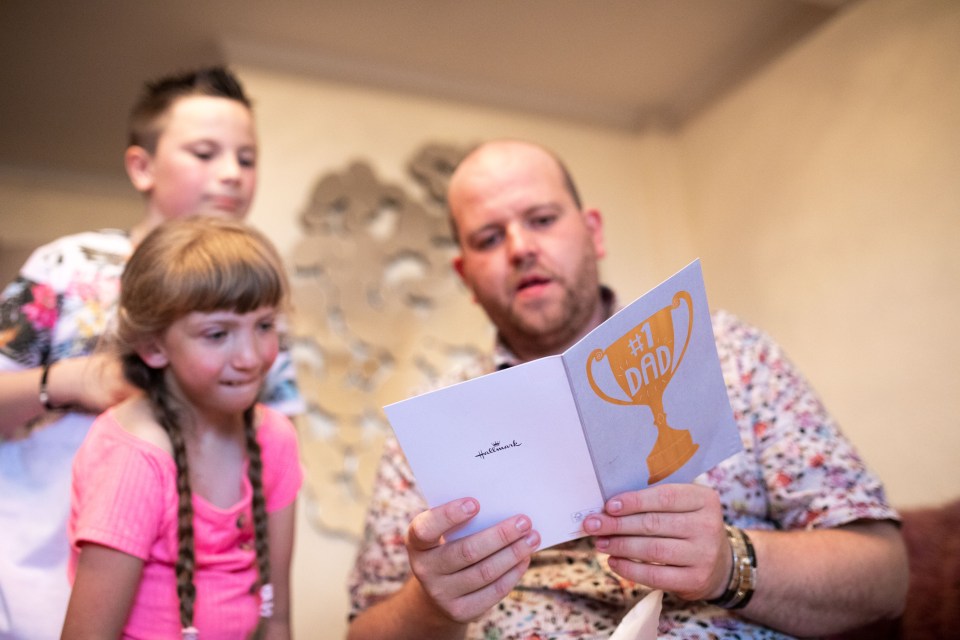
(808, 151)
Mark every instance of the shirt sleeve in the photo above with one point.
(29, 309)
(118, 491)
(382, 566)
(282, 471)
(280, 391)
(810, 474)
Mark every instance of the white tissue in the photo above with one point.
(642, 620)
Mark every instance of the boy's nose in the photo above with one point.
(230, 169)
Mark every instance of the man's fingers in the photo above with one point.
(462, 553)
(473, 604)
(428, 527)
(666, 498)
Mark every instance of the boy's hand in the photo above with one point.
(93, 383)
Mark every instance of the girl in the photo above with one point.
(182, 510)
(192, 151)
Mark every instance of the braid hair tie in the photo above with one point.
(266, 601)
(190, 633)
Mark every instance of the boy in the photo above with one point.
(192, 151)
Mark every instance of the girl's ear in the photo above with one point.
(153, 354)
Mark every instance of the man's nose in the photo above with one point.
(522, 246)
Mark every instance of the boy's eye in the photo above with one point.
(247, 160)
(215, 334)
(267, 325)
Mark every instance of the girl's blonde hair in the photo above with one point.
(190, 265)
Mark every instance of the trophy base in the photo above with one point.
(671, 451)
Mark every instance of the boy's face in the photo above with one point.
(204, 163)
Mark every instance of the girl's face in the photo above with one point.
(205, 161)
(217, 362)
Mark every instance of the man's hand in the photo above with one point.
(668, 537)
(464, 578)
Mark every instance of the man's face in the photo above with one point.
(527, 253)
(204, 163)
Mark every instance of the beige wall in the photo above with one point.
(823, 197)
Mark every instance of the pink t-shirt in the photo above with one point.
(125, 497)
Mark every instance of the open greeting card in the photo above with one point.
(637, 401)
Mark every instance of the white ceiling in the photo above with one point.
(70, 70)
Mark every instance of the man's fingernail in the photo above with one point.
(533, 539)
(615, 505)
(522, 524)
(601, 543)
(591, 524)
(469, 507)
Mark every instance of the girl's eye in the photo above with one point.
(247, 160)
(215, 335)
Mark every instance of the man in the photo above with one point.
(827, 553)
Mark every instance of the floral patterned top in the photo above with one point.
(797, 471)
(58, 307)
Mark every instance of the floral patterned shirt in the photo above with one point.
(59, 306)
(796, 471)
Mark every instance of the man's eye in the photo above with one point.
(542, 220)
(487, 241)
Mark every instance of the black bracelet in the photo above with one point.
(44, 394)
(743, 574)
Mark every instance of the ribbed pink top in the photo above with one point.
(125, 497)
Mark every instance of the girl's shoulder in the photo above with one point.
(270, 422)
(276, 434)
(135, 417)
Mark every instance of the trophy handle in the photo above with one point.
(598, 356)
(683, 295)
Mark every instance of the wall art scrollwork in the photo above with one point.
(378, 314)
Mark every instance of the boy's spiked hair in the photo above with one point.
(146, 116)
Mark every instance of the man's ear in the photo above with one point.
(594, 221)
(457, 263)
(153, 354)
(139, 165)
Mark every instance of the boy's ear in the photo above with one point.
(153, 354)
(139, 165)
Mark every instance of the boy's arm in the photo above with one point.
(103, 592)
(281, 525)
(89, 383)
(19, 399)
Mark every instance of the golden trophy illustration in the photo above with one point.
(643, 361)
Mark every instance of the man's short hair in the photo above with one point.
(568, 184)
